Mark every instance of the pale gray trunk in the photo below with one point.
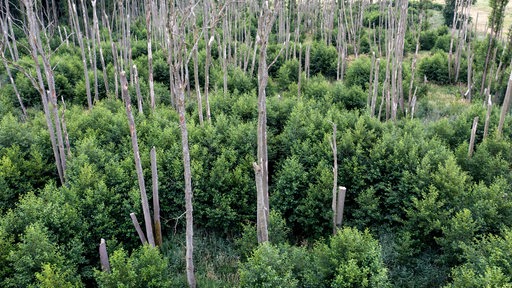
(473, 135)
(341, 205)
(137, 89)
(98, 39)
(105, 265)
(149, 4)
(335, 178)
(506, 104)
(82, 51)
(156, 199)
(136, 224)
(136, 156)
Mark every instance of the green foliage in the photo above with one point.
(435, 68)
(269, 266)
(358, 73)
(487, 263)
(277, 230)
(323, 60)
(350, 98)
(145, 267)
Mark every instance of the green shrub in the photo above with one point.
(435, 68)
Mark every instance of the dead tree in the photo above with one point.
(488, 115)
(149, 5)
(48, 96)
(114, 57)
(506, 104)
(78, 31)
(105, 265)
(156, 199)
(136, 224)
(137, 89)
(179, 59)
(335, 177)
(136, 156)
(265, 23)
(11, 79)
(473, 136)
(98, 41)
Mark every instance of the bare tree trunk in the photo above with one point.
(300, 72)
(11, 79)
(156, 199)
(341, 205)
(98, 39)
(105, 265)
(178, 53)
(136, 156)
(472, 139)
(198, 88)
(506, 104)
(265, 22)
(82, 51)
(487, 115)
(64, 128)
(136, 224)
(375, 88)
(36, 50)
(137, 89)
(335, 177)
(208, 41)
(114, 57)
(149, 5)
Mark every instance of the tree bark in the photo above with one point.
(136, 155)
(82, 51)
(137, 89)
(105, 265)
(487, 115)
(341, 204)
(138, 229)
(98, 39)
(156, 199)
(506, 104)
(149, 4)
(265, 22)
(472, 139)
(335, 177)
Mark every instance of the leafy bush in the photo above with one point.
(145, 267)
(269, 266)
(435, 68)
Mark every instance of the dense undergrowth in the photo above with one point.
(419, 211)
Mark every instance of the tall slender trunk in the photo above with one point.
(98, 39)
(149, 4)
(36, 50)
(136, 156)
(265, 22)
(506, 104)
(156, 199)
(82, 51)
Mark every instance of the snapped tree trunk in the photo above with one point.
(136, 224)
(136, 156)
(105, 265)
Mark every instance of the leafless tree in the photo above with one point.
(265, 23)
(136, 156)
